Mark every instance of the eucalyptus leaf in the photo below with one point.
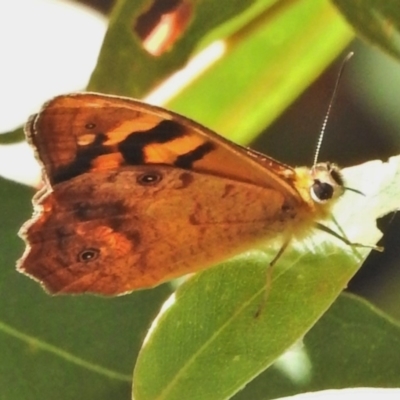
(352, 345)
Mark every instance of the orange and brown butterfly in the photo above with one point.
(136, 195)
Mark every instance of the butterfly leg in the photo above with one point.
(268, 276)
(326, 229)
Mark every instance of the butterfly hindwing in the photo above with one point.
(113, 232)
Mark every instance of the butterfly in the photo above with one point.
(136, 195)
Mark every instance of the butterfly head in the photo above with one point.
(327, 183)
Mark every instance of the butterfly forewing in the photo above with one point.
(84, 132)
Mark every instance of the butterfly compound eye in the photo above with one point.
(149, 178)
(321, 191)
(88, 255)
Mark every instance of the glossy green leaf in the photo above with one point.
(352, 345)
(126, 68)
(267, 65)
(375, 20)
(210, 342)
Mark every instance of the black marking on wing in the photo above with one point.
(133, 146)
(82, 163)
(186, 160)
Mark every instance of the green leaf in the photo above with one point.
(266, 66)
(63, 347)
(376, 21)
(352, 345)
(210, 343)
(126, 68)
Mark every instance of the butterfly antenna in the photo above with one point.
(333, 98)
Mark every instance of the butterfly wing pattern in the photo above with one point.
(136, 195)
